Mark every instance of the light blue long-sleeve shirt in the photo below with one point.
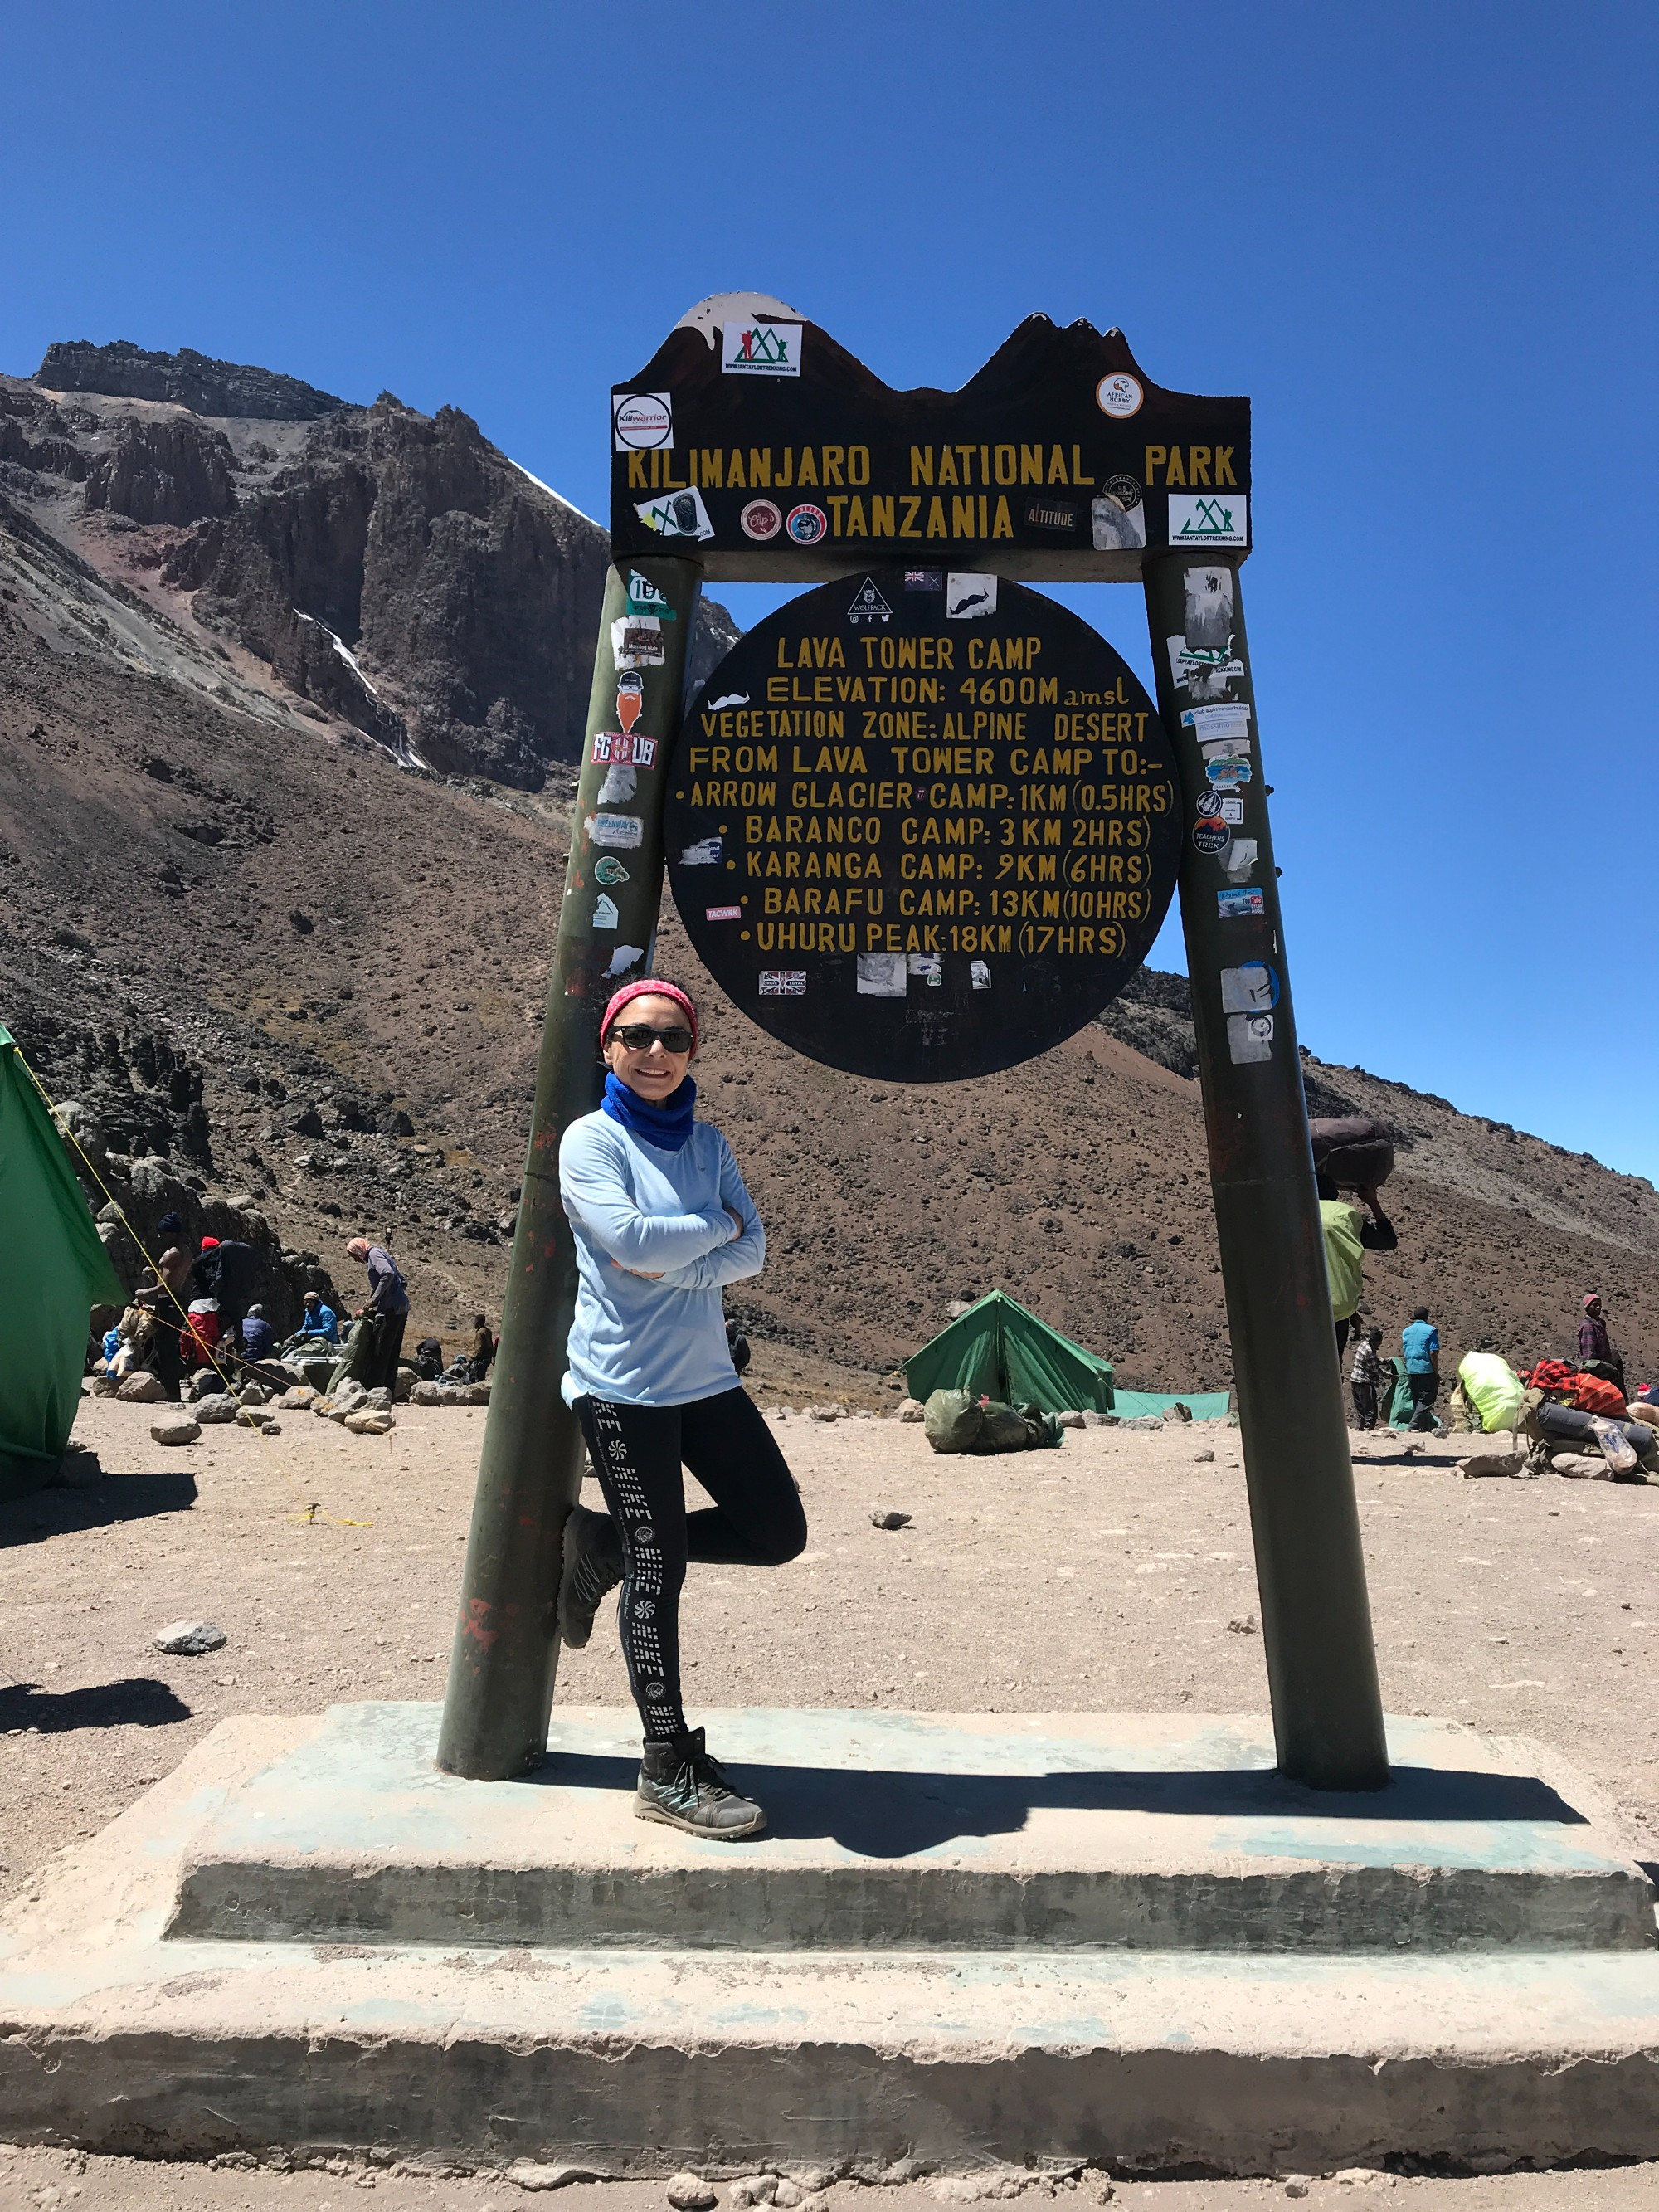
(637, 1211)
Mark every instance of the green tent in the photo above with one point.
(999, 1350)
(55, 1272)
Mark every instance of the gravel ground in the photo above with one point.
(1114, 1573)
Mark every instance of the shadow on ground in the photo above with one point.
(138, 1702)
(886, 1814)
(46, 1513)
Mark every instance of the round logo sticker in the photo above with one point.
(807, 524)
(1119, 395)
(761, 519)
(1209, 835)
(1209, 802)
(645, 419)
(1126, 490)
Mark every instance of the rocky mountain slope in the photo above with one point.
(305, 559)
(214, 886)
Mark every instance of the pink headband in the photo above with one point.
(650, 987)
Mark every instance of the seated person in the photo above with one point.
(482, 1350)
(257, 1336)
(318, 1324)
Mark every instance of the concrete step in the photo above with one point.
(923, 1832)
(117, 2037)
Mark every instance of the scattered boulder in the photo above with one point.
(1093, 1420)
(1246, 1627)
(1150, 1421)
(908, 1409)
(296, 1400)
(366, 1424)
(217, 1406)
(252, 1394)
(825, 1412)
(141, 1388)
(689, 2192)
(76, 1470)
(1178, 1412)
(176, 1428)
(529, 2174)
(425, 1394)
(190, 1638)
(1201, 1459)
(1071, 1419)
(756, 2189)
(882, 1516)
(1581, 1467)
(106, 1386)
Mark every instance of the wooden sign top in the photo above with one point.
(756, 445)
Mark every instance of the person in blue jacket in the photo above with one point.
(662, 1222)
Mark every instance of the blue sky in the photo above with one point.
(1419, 237)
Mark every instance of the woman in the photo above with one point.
(661, 1221)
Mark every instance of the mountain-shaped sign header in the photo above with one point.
(773, 453)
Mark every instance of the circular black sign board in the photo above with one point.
(921, 824)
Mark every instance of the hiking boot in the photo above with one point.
(683, 1788)
(592, 1565)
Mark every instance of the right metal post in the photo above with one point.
(1304, 1519)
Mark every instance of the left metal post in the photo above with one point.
(505, 1658)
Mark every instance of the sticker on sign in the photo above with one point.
(1209, 518)
(722, 914)
(641, 420)
(760, 349)
(783, 982)
(676, 514)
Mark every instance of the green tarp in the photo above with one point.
(999, 1350)
(55, 1272)
(1202, 1405)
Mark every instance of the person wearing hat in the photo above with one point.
(375, 1363)
(1596, 1353)
(318, 1324)
(661, 1222)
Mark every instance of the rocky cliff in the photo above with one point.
(372, 567)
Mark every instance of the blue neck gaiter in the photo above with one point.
(668, 1126)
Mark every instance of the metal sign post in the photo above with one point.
(924, 826)
(506, 1651)
(1316, 1615)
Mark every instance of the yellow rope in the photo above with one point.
(311, 1510)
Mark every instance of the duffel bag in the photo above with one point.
(1354, 1150)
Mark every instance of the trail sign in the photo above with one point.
(922, 824)
(760, 448)
(752, 446)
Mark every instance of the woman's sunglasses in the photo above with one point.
(639, 1037)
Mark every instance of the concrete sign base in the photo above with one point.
(969, 1939)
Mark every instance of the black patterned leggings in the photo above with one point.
(756, 1520)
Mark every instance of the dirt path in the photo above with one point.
(1114, 1573)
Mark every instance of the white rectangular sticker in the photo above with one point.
(676, 514)
(881, 974)
(705, 853)
(928, 966)
(967, 595)
(752, 348)
(1209, 518)
(612, 745)
(1251, 988)
(1239, 858)
(1250, 1037)
(783, 982)
(636, 642)
(1232, 812)
(1228, 723)
(621, 831)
